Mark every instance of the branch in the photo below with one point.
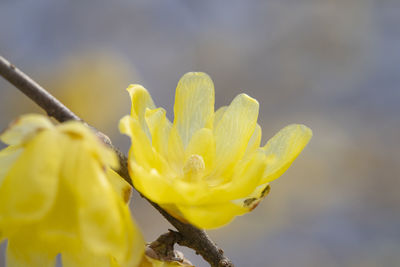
(189, 235)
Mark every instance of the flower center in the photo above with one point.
(194, 167)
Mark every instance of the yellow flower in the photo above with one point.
(205, 168)
(59, 195)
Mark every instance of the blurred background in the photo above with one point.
(333, 65)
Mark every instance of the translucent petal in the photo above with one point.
(255, 141)
(234, 130)
(159, 127)
(141, 100)
(211, 216)
(176, 152)
(194, 104)
(102, 232)
(24, 127)
(35, 174)
(282, 149)
(218, 115)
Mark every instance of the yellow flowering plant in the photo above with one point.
(58, 194)
(206, 167)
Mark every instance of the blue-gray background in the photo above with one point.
(333, 65)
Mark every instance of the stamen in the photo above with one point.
(194, 167)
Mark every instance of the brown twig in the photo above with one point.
(189, 235)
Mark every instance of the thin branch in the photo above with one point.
(189, 235)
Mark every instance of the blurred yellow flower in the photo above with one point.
(205, 168)
(59, 195)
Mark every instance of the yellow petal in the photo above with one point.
(24, 127)
(282, 149)
(7, 158)
(155, 186)
(29, 188)
(59, 228)
(194, 104)
(141, 150)
(21, 253)
(101, 231)
(251, 201)
(159, 127)
(218, 115)
(234, 130)
(176, 152)
(141, 100)
(135, 248)
(255, 140)
(85, 258)
(211, 216)
(246, 176)
(76, 130)
(121, 186)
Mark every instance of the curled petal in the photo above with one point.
(255, 140)
(160, 128)
(141, 100)
(23, 128)
(234, 130)
(282, 149)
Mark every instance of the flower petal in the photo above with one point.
(102, 232)
(159, 127)
(40, 161)
(218, 115)
(24, 127)
(251, 201)
(75, 130)
(7, 158)
(194, 104)
(121, 186)
(85, 258)
(211, 216)
(282, 149)
(21, 253)
(255, 141)
(141, 100)
(246, 176)
(234, 131)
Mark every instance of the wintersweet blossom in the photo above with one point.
(206, 167)
(59, 195)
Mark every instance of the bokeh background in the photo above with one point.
(333, 65)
